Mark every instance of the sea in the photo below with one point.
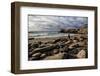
(46, 34)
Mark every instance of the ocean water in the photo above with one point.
(46, 34)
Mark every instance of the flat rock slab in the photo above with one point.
(81, 54)
(54, 57)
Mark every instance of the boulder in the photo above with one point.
(44, 49)
(81, 44)
(36, 55)
(55, 51)
(57, 40)
(81, 54)
(31, 38)
(65, 49)
(42, 45)
(35, 45)
(68, 42)
(29, 45)
(54, 57)
(34, 58)
(39, 42)
(75, 41)
(43, 55)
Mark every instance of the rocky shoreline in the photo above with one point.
(73, 47)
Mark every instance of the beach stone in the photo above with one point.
(66, 49)
(31, 49)
(57, 40)
(29, 45)
(42, 45)
(69, 56)
(39, 42)
(54, 57)
(44, 49)
(63, 39)
(55, 51)
(35, 45)
(74, 51)
(61, 44)
(36, 55)
(75, 41)
(81, 54)
(68, 42)
(46, 42)
(43, 55)
(71, 47)
(31, 38)
(74, 45)
(81, 39)
(61, 50)
(81, 44)
(34, 58)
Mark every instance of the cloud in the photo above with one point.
(54, 23)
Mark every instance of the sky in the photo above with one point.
(54, 23)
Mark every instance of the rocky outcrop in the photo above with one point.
(75, 31)
(59, 48)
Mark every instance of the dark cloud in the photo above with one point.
(55, 23)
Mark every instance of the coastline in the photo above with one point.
(51, 48)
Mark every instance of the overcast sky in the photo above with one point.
(54, 23)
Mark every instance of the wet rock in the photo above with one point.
(43, 55)
(61, 44)
(45, 49)
(36, 55)
(34, 58)
(31, 49)
(68, 42)
(74, 45)
(35, 45)
(31, 38)
(29, 45)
